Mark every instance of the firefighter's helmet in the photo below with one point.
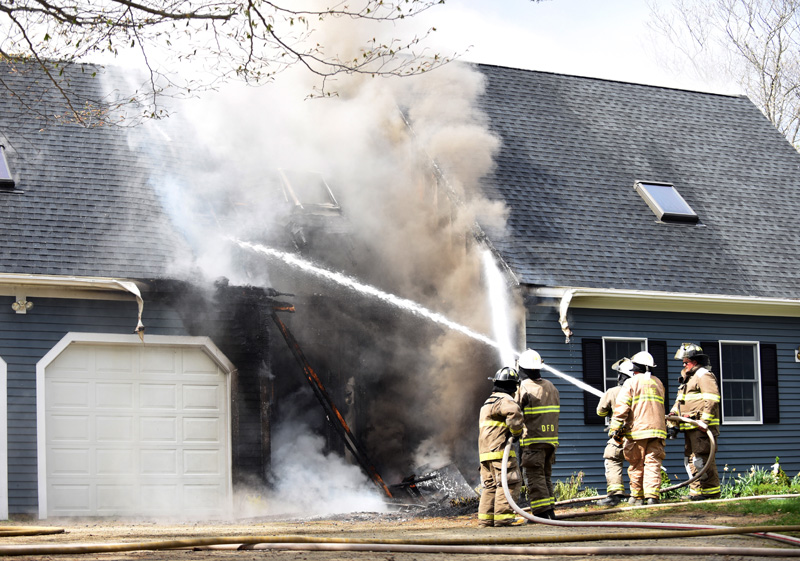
(506, 375)
(530, 360)
(688, 350)
(624, 368)
(694, 352)
(642, 361)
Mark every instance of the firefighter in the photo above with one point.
(612, 455)
(698, 398)
(639, 418)
(540, 404)
(500, 420)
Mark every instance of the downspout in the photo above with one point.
(133, 289)
(563, 308)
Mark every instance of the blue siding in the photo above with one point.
(741, 446)
(25, 339)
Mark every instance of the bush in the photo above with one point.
(572, 488)
(759, 481)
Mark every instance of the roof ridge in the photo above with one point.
(595, 78)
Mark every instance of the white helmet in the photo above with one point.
(530, 360)
(643, 359)
(624, 367)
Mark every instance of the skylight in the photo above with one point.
(665, 201)
(308, 190)
(6, 179)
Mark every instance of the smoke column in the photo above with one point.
(417, 386)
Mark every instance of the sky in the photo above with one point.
(598, 38)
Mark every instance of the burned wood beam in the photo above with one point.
(334, 416)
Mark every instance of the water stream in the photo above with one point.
(508, 355)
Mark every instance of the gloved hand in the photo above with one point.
(696, 415)
(672, 432)
(616, 435)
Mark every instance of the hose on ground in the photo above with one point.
(11, 531)
(480, 546)
(657, 525)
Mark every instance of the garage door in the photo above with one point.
(136, 430)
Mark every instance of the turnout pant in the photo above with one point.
(612, 459)
(537, 468)
(494, 509)
(644, 472)
(697, 447)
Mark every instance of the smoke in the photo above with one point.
(410, 199)
(307, 482)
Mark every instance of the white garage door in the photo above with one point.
(136, 430)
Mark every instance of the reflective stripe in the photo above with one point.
(547, 501)
(490, 423)
(504, 516)
(710, 422)
(611, 488)
(699, 396)
(542, 409)
(656, 398)
(488, 456)
(710, 490)
(643, 434)
(485, 516)
(515, 432)
(544, 440)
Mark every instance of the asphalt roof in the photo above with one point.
(572, 149)
(83, 204)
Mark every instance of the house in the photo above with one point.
(124, 390)
(133, 387)
(642, 217)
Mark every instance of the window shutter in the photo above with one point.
(769, 383)
(593, 374)
(659, 351)
(711, 348)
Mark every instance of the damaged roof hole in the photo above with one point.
(665, 201)
(307, 190)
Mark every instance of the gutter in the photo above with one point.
(647, 300)
(23, 285)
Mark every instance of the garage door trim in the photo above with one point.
(203, 343)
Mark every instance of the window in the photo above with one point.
(308, 191)
(6, 179)
(740, 375)
(615, 349)
(665, 201)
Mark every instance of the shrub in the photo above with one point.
(572, 488)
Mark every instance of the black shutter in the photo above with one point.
(593, 374)
(659, 351)
(711, 348)
(769, 383)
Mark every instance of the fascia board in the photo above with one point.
(654, 301)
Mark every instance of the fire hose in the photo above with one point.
(478, 546)
(692, 478)
(658, 525)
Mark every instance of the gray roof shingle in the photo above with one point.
(572, 149)
(87, 206)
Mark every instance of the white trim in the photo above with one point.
(651, 300)
(605, 359)
(3, 440)
(203, 343)
(758, 400)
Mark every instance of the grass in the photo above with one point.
(754, 482)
